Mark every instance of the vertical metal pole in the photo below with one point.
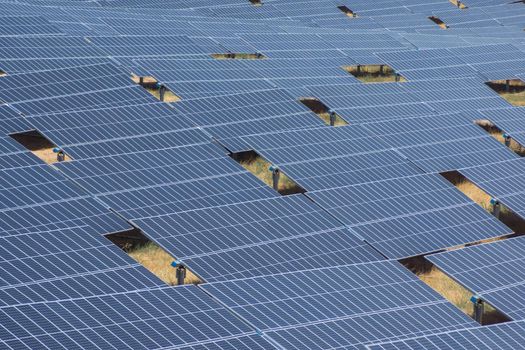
(276, 175)
(358, 69)
(479, 308)
(496, 207)
(141, 80)
(381, 69)
(398, 78)
(332, 118)
(507, 140)
(61, 156)
(180, 274)
(162, 92)
(507, 85)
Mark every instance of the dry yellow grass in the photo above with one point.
(326, 118)
(347, 11)
(158, 262)
(458, 295)
(321, 110)
(509, 218)
(449, 289)
(498, 135)
(514, 98)
(439, 22)
(149, 86)
(462, 6)
(168, 96)
(374, 74)
(475, 194)
(260, 168)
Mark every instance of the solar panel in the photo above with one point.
(331, 307)
(504, 336)
(248, 113)
(109, 123)
(489, 271)
(148, 319)
(36, 64)
(65, 258)
(434, 215)
(112, 97)
(255, 238)
(441, 143)
(248, 342)
(502, 181)
(330, 157)
(49, 84)
(26, 26)
(277, 268)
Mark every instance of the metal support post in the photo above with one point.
(180, 272)
(507, 139)
(276, 175)
(479, 308)
(332, 118)
(61, 155)
(496, 207)
(162, 92)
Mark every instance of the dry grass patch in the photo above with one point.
(322, 111)
(459, 296)
(439, 22)
(168, 95)
(158, 262)
(150, 85)
(258, 166)
(374, 73)
(458, 4)
(512, 90)
(38, 145)
(497, 133)
(480, 197)
(514, 98)
(347, 11)
(455, 293)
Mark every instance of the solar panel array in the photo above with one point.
(507, 336)
(316, 269)
(490, 271)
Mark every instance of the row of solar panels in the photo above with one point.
(152, 165)
(155, 221)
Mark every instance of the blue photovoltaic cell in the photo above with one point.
(492, 271)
